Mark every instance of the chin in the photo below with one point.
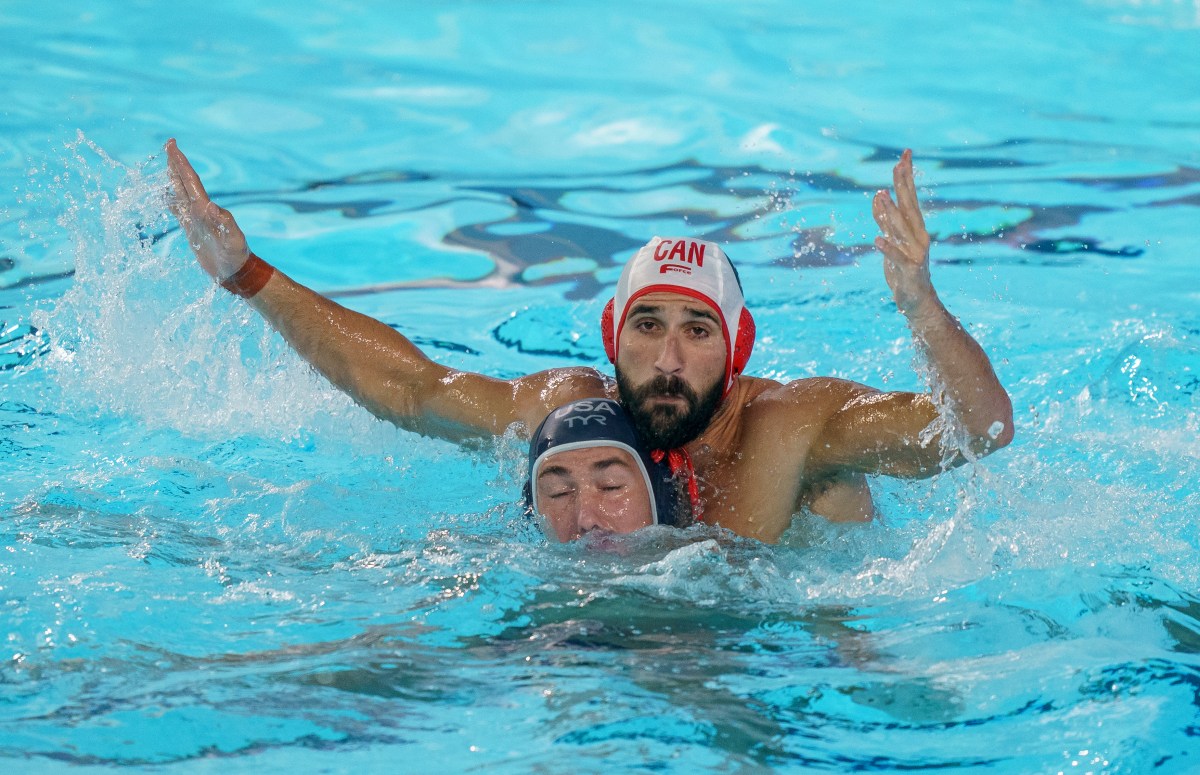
(672, 424)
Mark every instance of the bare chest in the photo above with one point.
(751, 480)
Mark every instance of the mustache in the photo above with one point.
(668, 427)
(666, 385)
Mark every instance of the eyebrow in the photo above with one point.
(654, 309)
(600, 465)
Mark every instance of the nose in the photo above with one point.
(590, 513)
(670, 357)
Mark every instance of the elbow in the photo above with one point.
(1009, 429)
(999, 430)
(1004, 437)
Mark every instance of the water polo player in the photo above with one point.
(752, 452)
(587, 473)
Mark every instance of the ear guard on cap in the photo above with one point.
(608, 333)
(742, 348)
(745, 341)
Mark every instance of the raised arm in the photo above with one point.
(896, 433)
(372, 362)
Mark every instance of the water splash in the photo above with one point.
(142, 333)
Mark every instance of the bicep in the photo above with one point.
(391, 377)
(894, 434)
(460, 405)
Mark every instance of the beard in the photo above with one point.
(668, 427)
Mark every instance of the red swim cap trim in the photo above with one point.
(682, 291)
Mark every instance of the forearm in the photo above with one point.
(964, 374)
(387, 374)
(376, 365)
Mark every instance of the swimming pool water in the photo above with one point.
(213, 561)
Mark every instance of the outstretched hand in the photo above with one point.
(904, 242)
(218, 242)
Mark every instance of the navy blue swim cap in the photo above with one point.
(600, 422)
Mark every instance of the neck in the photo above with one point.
(722, 429)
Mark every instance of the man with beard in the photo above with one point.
(750, 452)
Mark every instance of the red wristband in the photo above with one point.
(250, 279)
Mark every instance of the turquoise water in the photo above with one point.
(212, 561)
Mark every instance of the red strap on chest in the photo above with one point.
(679, 460)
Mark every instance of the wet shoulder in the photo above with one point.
(746, 389)
(803, 401)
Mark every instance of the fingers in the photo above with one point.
(906, 197)
(887, 215)
(890, 250)
(893, 254)
(900, 220)
(906, 188)
(219, 221)
(174, 202)
(186, 181)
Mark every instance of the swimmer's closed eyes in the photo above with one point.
(557, 481)
(571, 491)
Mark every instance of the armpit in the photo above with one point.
(844, 498)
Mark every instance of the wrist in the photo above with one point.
(925, 311)
(250, 279)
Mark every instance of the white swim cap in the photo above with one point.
(693, 268)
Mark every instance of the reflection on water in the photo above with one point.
(575, 231)
(598, 222)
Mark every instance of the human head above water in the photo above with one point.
(587, 472)
(693, 268)
(698, 280)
